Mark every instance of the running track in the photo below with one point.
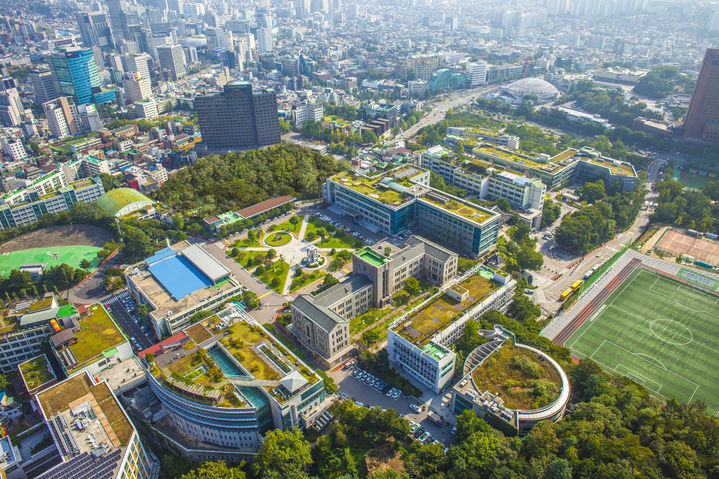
(597, 301)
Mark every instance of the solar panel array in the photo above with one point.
(86, 466)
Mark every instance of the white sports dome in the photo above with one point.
(543, 90)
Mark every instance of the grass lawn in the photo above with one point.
(306, 278)
(278, 239)
(245, 257)
(660, 333)
(287, 226)
(245, 243)
(276, 275)
(367, 319)
(341, 240)
(36, 372)
(314, 223)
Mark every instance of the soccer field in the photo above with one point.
(71, 255)
(660, 333)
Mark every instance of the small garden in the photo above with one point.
(278, 239)
(302, 279)
(274, 274)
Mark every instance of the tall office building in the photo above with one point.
(702, 121)
(118, 21)
(89, 118)
(172, 59)
(137, 64)
(238, 117)
(264, 40)
(75, 74)
(95, 30)
(10, 107)
(61, 117)
(477, 73)
(44, 86)
(137, 88)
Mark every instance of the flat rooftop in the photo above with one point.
(422, 325)
(98, 333)
(389, 188)
(167, 287)
(465, 210)
(518, 157)
(372, 257)
(36, 372)
(210, 360)
(92, 418)
(616, 167)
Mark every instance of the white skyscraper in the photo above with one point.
(264, 40)
(477, 73)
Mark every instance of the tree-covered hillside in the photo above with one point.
(234, 180)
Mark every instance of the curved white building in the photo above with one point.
(543, 90)
(490, 405)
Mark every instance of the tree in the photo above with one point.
(284, 454)
(85, 264)
(592, 192)
(3, 382)
(520, 232)
(412, 286)
(387, 251)
(215, 470)
(294, 221)
(527, 258)
(369, 136)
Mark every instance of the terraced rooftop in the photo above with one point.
(459, 208)
(374, 187)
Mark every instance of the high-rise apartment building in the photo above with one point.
(265, 42)
(172, 59)
(95, 30)
(10, 107)
(76, 76)
(238, 117)
(702, 122)
(44, 86)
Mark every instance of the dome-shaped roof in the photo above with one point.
(533, 86)
(123, 201)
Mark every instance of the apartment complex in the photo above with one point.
(93, 434)
(402, 199)
(321, 323)
(28, 206)
(238, 382)
(238, 117)
(419, 343)
(178, 281)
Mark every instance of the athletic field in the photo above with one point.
(71, 255)
(660, 333)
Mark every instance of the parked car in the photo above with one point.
(423, 438)
(414, 407)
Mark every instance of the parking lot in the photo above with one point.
(350, 387)
(122, 307)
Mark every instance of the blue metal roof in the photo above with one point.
(178, 276)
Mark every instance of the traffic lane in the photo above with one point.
(368, 395)
(128, 325)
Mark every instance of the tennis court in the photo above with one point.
(72, 255)
(659, 332)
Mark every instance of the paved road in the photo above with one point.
(361, 392)
(90, 291)
(125, 321)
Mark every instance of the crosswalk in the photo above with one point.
(266, 294)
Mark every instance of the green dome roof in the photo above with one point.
(123, 201)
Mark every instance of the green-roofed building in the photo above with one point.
(123, 201)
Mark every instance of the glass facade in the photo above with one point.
(76, 76)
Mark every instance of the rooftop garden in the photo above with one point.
(97, 334)
(40, 305)
(466, 211)
(519, 376)
(622, 169)
(516, 158)
(437, 315)
(369, 188)
(36, 372)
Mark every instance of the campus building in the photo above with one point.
(419, 344)
(511, 413)
(489, 182)
(238, 117)
(226, 381)
(402, 199)
(92, 433)
(178, 281)
(321, 323)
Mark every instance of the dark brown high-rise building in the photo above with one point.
(238, 117)
(702, 121)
